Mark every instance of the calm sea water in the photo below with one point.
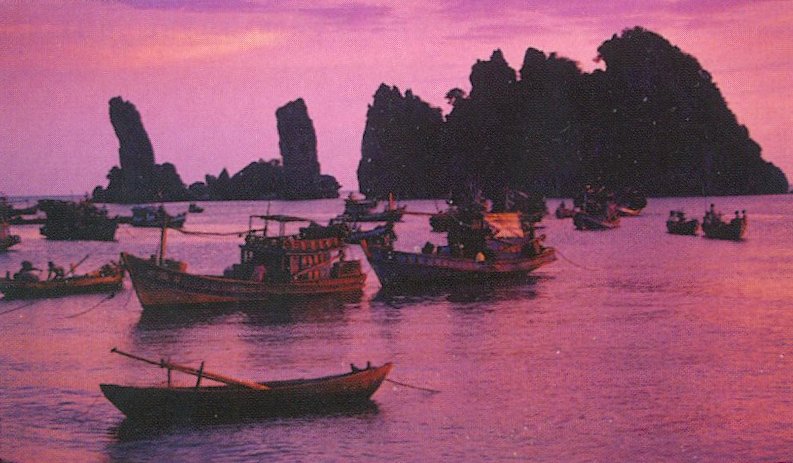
(635, 345)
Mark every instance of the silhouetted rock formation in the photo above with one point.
(298, 145)
(138, 179)
(653, 120)
(400, 146)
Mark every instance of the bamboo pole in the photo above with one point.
(201, 373)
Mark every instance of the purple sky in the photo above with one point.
(208, 75)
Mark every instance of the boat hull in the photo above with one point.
(222, 403)
(163, 287)
(14, 289)
(395, 268)
(584, 221)
(733, 231)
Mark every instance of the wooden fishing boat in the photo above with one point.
(238, 399)
(714, 227)
(67, 220)
(492, 248)
(270, 267)
(677, 224)
(156, 217)
(109, 278)
(362, 210)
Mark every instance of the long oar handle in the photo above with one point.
(192, 371)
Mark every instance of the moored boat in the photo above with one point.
(493, 247)
(155, 217)
(677, 224)
(108, 278)
(598, 210)
(238, 399)
(67, 220)
(713, 226)
(362, 210)
(194, 208)
(270, 267)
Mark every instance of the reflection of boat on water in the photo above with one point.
(713, 226)
(485, 247)
(362, 210)
(677, 224)
(270, 267)
(238, 399)
(155, 217)
(67, 220)
(106, 279)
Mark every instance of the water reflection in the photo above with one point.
(134, 430)
(523, 288)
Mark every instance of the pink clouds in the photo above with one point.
(208, 75)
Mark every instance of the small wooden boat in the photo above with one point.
(270, 267)
(156, 217)
(194, 208)
(362, 210)
(677, 224)
(106, 279)
(714, 227)
(238, 399)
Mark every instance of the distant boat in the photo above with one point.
(239, 399)
(106, 279)
(362, 210)
(605, 220)
(67, 220)
(597, 210)
(154, 217)
(630, 203)
(270, 267)
(195, 208)
(714, 227)
(677, 224)
(377, 233)
(490, 248)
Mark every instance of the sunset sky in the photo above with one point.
(208, 75)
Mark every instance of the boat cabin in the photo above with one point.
(284, 258)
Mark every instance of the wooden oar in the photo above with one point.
(192, 371)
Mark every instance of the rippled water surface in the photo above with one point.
(635, 345)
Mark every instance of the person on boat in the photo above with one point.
(737, 218)
(54, 272)
(480, 257)
(27, 272)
